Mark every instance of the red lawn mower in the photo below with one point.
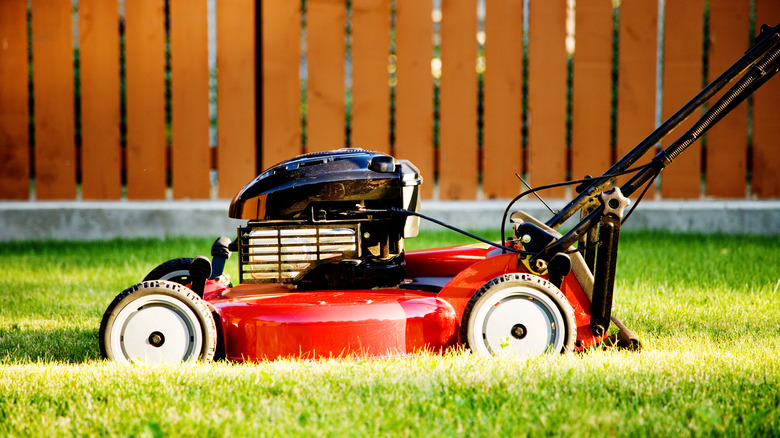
(323, 272)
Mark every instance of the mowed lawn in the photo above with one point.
(704, 306)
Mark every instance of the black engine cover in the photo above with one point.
(328, 183)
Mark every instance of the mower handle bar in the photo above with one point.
(763, 60)
(767, 42)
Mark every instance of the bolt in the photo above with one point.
(519, 331)
(526, 238)
(156, 339)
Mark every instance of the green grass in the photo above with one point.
(705, 308)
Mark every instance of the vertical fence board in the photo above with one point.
(14, 137)
(281, 106)
(636, 74)
(326, 21)
(458, 105)
(55, 148)
(370, 77)
(236, 144)
(503, 148)
(414, 90)
(592, 89)
(726, 168)
(191, 154)
(766, 122)
(145, 85)
(547, 94)
(682, 75)
(101, 154)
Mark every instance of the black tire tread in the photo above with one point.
(169, 266)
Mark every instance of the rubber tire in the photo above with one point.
(522, 285)
(188, 306)
(175, 270)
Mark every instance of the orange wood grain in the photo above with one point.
(190, 149)
(503, 148)
(14, 137)
(547, 95)
(370, 76)
(636, 75)
(458, 103)
(55, 147)
(766, 120)
(101, 154)
(326, 42)
(281, 82)
(236, 139)
(145, 88)
(414, 90)
(682, 75)
(726, 168)
(592, 89)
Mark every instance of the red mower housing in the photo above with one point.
(323, 274)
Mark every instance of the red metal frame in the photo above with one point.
(271, 321)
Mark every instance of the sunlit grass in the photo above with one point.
(703, 307)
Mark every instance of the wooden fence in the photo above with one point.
(113, 99)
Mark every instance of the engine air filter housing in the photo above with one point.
(327, 220)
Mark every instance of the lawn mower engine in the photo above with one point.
(328, 220)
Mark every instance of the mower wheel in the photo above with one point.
(518, 315)
(175, 270)
(158, 322)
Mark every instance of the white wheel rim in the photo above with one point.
(517, 321)
(156, 329)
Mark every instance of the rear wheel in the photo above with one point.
(158, 322)
(519, 315)
(175, 270)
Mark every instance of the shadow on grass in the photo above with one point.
(69, 345)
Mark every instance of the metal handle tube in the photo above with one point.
(767, 40)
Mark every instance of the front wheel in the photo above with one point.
(158, 322)
(519, 315)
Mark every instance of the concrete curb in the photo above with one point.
(92, 220)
